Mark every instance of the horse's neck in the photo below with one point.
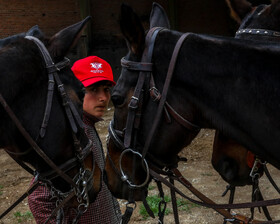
(234, 88)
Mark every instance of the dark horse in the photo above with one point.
(233, 161)
(222, 83)
(41, 112)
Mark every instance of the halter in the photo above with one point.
(145, 67)
(83, 180)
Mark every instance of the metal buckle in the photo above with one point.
(155, 94)
(133, 104)
(125, 177)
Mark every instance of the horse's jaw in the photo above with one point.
(128, 193)
(119, 188)
(97, 184)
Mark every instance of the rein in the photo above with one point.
(83, 180)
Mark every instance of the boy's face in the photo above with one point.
(97, 97)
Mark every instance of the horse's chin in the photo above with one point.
(97, 184)
(126, 193)
(121, 190)
(239, 182)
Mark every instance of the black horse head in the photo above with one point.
(161, 154)
(37, 90)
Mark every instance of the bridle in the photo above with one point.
(145, 67)
(153, 167)
(82, 182)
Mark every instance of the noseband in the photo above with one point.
(83, 180)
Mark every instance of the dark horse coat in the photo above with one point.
(234, 87)
(222, 83)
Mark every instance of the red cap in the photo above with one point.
(93, 69)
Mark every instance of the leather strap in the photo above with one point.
(127, 215)
(28, 192)
(33, 143)
(51, 70)
(137, 66)
(259, 32)
(220, 208)
(48, 106)
(186, 183)
(61, 205)
(134, 102)
(270, 178)
(174, 202)
(184, 122)
(164, 92)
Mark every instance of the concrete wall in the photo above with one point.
(18, 16)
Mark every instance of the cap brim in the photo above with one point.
(94, 80)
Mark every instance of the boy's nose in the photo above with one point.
(102, 96)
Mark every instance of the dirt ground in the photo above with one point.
(14, 181)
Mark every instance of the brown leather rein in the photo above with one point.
(145, 68)
(83, 180)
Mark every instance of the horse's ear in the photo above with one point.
(158, 17)
(239, 9)
(63, 41)
(35, 32)
(132, 29)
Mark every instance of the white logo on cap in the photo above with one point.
(97, 66)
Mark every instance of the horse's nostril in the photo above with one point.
(117, 100)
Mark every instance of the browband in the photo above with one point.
(137, 66)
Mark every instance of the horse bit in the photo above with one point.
(83, 180)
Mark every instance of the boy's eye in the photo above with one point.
(93, 89)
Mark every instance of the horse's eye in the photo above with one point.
(117, 100)
(81, 94)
